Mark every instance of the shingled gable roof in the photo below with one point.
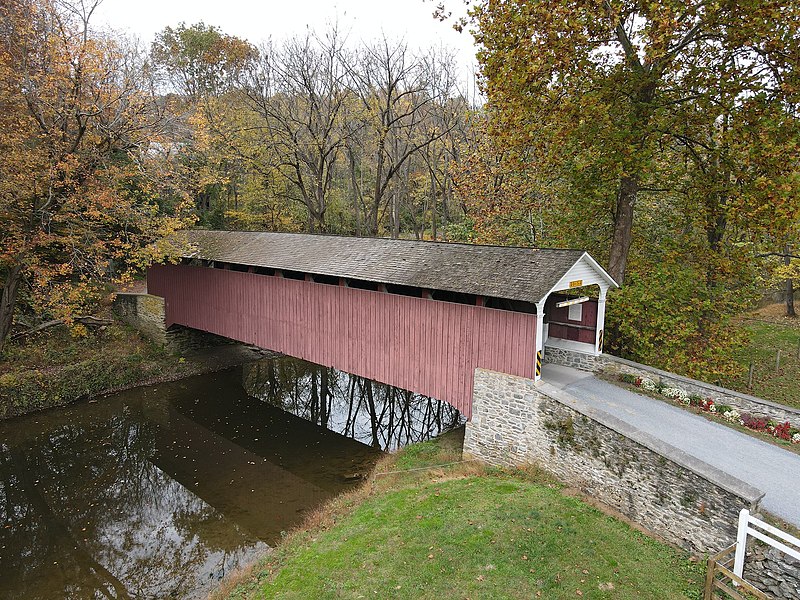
(526, 274)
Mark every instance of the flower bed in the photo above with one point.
(784, 431)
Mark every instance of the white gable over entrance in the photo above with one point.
(585, 272)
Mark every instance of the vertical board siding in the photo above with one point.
(426, 346)
(561, 315)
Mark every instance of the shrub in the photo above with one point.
(23, 392)
(732, 416)
(755, 423)
(647, 320)
(674, 393)
(649, 385)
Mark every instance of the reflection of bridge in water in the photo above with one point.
(159, 491)
(222, 473)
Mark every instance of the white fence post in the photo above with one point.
(741, 542)
(766, 533)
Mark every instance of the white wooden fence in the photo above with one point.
(749, 525)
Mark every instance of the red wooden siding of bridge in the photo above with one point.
(426, 346)
(562, 327)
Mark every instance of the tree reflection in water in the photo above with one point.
(87, 514)
(380, 415)
(157, 492)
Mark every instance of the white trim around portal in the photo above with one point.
(601, 278)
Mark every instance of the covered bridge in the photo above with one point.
(417, 315)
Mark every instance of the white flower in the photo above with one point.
(676, 393)
(796, 438)
(712, 408)
(648, 384)
(732, 416)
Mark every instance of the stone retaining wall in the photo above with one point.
(185, 340)
(574, 359)
(767, 568)
(145, 312)
(615, 366)
(772, 571)
(678, 497)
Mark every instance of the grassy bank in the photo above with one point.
(458, 532)
(54, 368)
(768, 332)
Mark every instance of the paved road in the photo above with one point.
(769, 468)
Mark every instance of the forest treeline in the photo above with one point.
(315, 133)
(663, 138)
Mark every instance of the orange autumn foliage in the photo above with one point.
(80, 203)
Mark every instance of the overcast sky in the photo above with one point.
(257, 21)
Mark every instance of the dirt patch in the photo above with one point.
(134, 287)
(773, 313)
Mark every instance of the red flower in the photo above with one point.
(782, 431)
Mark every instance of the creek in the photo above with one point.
(160, 491)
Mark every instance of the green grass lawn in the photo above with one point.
(466, 535)
(765, 339)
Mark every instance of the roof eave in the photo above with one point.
(595, 265)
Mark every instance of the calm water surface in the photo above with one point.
(159, 492)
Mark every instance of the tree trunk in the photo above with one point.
(623, 224)
(395, 216)
(314, 403)
(377, 197)
(324, 392)
(320, 193)
(433, 204)
(8, 300)
(630, 181)
(447, 200)
(790, 312)
(373, 415)
(356, 191)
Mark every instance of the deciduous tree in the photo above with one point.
(78, 128)
(612, 86)
(298, 92)
(398, 93)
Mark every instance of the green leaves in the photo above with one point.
(685, 111)
(200, 59)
